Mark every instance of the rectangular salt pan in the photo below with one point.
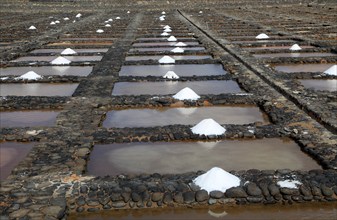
(138, 158)
(156, 44)
(293, 68)
(146, 49)
(180, 70)
(182, 57)
(214, 87)
(34, 118)
(89, 50)
(48, 70)
(328, 85)
(271, 55)
(184, 116)
(38, 89)
(50, 58)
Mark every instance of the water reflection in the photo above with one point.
(181, 157)
(38, 89)
(316, 84)
(48, 70)
(164, 88)
(27, 118)
(293, 68)
(312, 211)
(184, 116)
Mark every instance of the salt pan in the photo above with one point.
(31, 75)
(332, 70)
(178, 50)
(180, 44)
(32, 28)
(208, 127)
(292, 184)
(186, 94)
(171, 75)
(60, 61)
(295, 47)
(166, 59)
(217, 179)
(262, 36)
(68, 51)
(172, 38)
(99, 31)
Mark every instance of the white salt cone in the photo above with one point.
(171, 75)
(99, 31)
(166, 59)
(172, 39)
(31, 75)
(295, 47)
(78, 15)
(68, 51)
(262, 36)
(166, 26)
(180, 44)
(332, 70)
(165, 34)
(60, 61)
(186, 94)
(32, 28)
(107, 25)
(178, 50)
(208, 127)
(217, 179)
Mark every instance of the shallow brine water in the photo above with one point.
(38, 89)
(28, 118)
(48, 70)
(214, 87)
(89, 50)
(317, 84)
(184, 116)
(180, 70)
(145, 49)
(293, 68)
(50, 58)
(271, 55)
(274, 47)
(311, 211)
(158, 44)
(182, 57)
(11, 153)
(181, 157)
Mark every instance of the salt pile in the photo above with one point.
(52, 23)
(99, 31)
(163, 12)
(178, 50)
(128, 12)
(165, 34)
(118, 18)
(78, 15)
(66, 18)
(167, 26)
(57, 22)
(186, 94)
(200, 12)
(31, 75)
(172, 38)
(332, 70)
(60, 61)
(217, 179)
(161, 18)
(32, 28)
(180, 44)
(292, 184)
(107, 25)
(295, 47)
(208, 127)
(171, 75)
(166, 59)
(68, 51)
(110, 19)
(262, 36)
(167, 30)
